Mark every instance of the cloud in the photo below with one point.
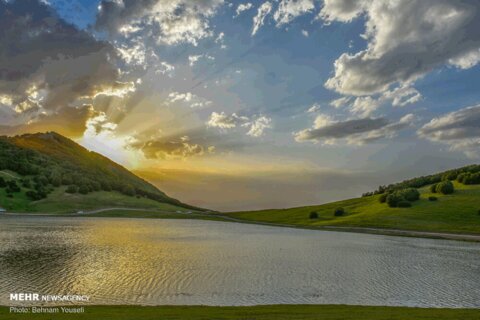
(41, 50)
(68, 121)
(259, 19)
(406, 40)
(243, 7)
(459, 129)
(367, 105)
(224, 121)
(171, 148)
(48, 67)
(314, 108)
(402, 96)
(188, 98)
(258, 126)
(177, 21)
(342, 10)
(181, 145)
(340, 102)
(356, 131)
(288, 10)
(193, 59)
(166, 69)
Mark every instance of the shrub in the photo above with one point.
(404, 204)
(393, 199)
(383, 198)
(313, 215)
(433, 188)
(445, 187)
(26, 183)
(432, 198)
(12, 187)
(338, 212)
(128, 190)
(33, 195)
(3, 183)
(83, 189)
(461, 177)
(72, 189)
(410, 194)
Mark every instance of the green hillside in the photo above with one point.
(46, 172)
(457, 213)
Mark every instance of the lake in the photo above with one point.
(191, 262)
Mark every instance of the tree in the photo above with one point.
(383, 198)
(3, 183)
(433, 188)
(313, 215)
(445, 187)
(56, 179)
(128, 190)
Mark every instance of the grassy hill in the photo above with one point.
(456, 213)
(46, 172)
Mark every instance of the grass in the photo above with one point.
(456, 213)
(273, 312)
(58, 201)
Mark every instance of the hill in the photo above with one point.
(458, 212)
(46, 172)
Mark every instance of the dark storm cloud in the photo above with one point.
(69, 121)
(40, 52)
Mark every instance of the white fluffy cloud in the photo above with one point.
(193, 59)
(356, 131)
(256, 126)
(288, 10)
(459, 129)
(406, 40)
(262, 12)
(243, 7)
(367, 105)
(188, 98)
(178, 21)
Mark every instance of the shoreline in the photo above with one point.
(224, 218)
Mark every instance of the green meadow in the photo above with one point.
(58, 201)
(455, 213)
(273, 312)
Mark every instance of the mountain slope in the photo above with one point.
(456, 213)
(48, 168)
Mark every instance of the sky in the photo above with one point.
(240, 105)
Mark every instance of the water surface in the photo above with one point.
(156, 262)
